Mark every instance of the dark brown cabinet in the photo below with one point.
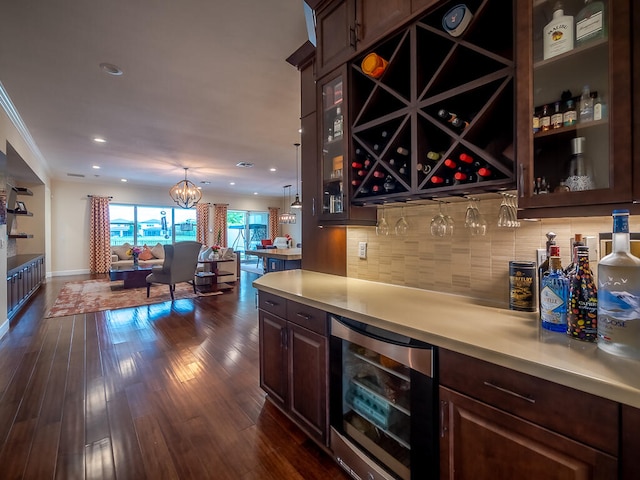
(25, 274)
(549, 182)
(293, 361)
(482, 442)
(498, 423)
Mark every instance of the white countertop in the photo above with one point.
(501, 336)
(277, 253)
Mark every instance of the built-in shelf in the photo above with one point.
(20, 235)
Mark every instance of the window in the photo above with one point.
(139, 225)
(246, 229)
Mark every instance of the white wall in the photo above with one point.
(70, 216)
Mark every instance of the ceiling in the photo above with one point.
(205, 86)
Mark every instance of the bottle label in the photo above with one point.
(597, 111)
(521, 286)
(589, 27)
(569, 118)
(553, 308)
(556, 120)
(545, 122)
(618, 301)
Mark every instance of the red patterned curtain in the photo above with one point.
(202, 223)
(220, 224)
(273, 222)
(99, 236)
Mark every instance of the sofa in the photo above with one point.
(150, 256)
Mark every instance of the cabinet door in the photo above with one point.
(586, 161)
(375, 17)
(335, 28)
(308, 381)
(273, 356)
(481, 442)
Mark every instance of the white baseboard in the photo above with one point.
(64, 273)
(4, 328)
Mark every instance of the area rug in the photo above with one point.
(98, 295)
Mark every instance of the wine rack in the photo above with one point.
(402, 147)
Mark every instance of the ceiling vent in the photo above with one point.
(244, 164)
(79, 175)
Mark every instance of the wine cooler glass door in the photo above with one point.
(333, 148)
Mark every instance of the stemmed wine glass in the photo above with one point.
(382, 227)
(401, 225)
(439, 223)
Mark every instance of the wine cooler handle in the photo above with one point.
(313, 207)
(510, 392)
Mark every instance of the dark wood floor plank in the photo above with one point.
(168, 390)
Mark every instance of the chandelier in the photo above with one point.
(286, 217)
(296, 203)
(185, 193)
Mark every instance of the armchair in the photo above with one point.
(180, 261)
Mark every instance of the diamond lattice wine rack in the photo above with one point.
(439, 121)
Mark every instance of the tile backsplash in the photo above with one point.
(474, 266)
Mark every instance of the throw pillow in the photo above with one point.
(204, 253)
(121, 251)
(146, 254)
(158, 251)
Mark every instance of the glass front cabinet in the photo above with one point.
(573, 106)
(333, 206)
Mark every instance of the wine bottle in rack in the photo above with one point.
(450, 163)
(459, 123)
(367, 163)
(446, 115)
(389, 184)
(355, 182)
(402, 151)
(434, 156)
(378, 174)
(466, 158)
(485, 172)
(441, 181)
(356, 164)
(403, 169)
(462, 176)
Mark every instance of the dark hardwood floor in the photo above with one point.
(160, 391)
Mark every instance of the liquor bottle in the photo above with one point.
(619, 294)
(590, 22)
(586, 105)
(554, 297)
(557, 117)
(599, 109)
(536, 121)
(543, 268)
(570, 115)
(575, 243)
(579, 175)
(557, 34)
(545, 119)
(582, 316)
(338, 123)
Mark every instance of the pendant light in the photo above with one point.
(286, 217)
(185, 193)
(297, 203)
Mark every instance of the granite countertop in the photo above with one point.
(466, 325)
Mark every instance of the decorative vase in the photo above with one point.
(135, 259)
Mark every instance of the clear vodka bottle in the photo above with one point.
(619, 294)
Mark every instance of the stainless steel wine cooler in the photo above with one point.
(383, 403)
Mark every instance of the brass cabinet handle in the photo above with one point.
(510, 392)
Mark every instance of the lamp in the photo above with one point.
(296, 203)
(185, 193)
(286, 217)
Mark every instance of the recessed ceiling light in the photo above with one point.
(232, 183)
(123, 179)
(96, 167)
(111, 69)
(99, 140)
(272, 169)
(244, 164)
(255, 193)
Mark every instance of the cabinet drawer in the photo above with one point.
(273, 304)
(584, 417)
(311, 318)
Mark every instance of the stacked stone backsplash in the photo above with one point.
(474, 266)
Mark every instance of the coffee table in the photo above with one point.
(133, 276)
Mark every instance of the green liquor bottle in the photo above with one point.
(591, 22)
